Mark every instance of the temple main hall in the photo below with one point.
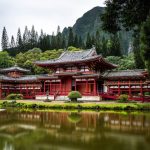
(82, 71)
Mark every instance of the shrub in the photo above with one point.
(73, 95)
(14, 96)
(147, 93)
(123, 98)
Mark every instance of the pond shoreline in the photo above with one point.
(78, 106)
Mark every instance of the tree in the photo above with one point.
(4, 41)
(12, 44)
(59, 39)
(33, 39)
(80, 42)
(115, 49)
(124, 63)
(26, 36)
(137, 53)
(130, 14)
(127, 13)
(58, 30)
(104, 47)
(6, 60)
(19, 39)
(145, 42)
(70, 37)
(89, 41)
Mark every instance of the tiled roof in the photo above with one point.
(46, 76)
(24, 78)
(14, 68)
(70, 56)
(124, 73)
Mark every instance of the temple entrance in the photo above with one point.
(100, 86)
(73, 88)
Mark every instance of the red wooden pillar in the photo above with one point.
(50, 87)
(60, 87)
(94, 87)
(86, 86)
(130, 94)
(26, 89)
(118, 88)
(44, 88)
(20, 88)
(33, 86)
(141, 90)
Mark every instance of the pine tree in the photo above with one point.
(113, 46)
(42, 41)
(58, 30)
(59, 39)
(80, 42)
(53, 41)
(145, 43)
(116, 49)
(70, 37)
(63, 43)
(4, 40)
(89, 41)
(19, 39)
(76, 41)
(104, 47)
(26, 36)
(33, 39)
(137, 54)
(98, 42)
(12, 44)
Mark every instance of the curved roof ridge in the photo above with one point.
(14, 68)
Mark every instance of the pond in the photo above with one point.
(52, 130)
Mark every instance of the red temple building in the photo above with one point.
(15, 80)
(83, 71)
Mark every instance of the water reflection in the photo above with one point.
(37, 130)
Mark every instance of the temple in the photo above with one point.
(83, 71)
(15, 80)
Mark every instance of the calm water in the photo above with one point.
(22, 130)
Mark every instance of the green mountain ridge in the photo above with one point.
(91, 22)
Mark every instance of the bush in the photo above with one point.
(73, 95)
(123, 98)
(14, 96)
(147, 93)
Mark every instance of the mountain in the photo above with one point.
(91, 22)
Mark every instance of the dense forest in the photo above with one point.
(28, 58)
(95, 27)
(132, 15)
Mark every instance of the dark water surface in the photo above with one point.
(37, 130)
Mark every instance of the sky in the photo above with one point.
(43, 14)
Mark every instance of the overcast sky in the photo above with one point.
(43, 14)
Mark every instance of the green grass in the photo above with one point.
(78, 106)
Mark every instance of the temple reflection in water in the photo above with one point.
(70, 130)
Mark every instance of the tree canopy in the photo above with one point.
(131, 15)
(127, 13)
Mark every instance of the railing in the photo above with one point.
(115, 97)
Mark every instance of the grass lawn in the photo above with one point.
(83, 106)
